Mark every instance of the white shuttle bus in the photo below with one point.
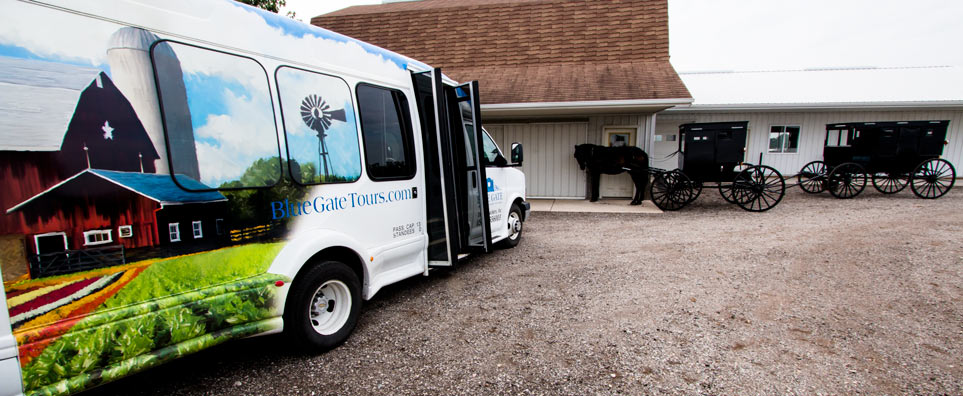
(177, 174)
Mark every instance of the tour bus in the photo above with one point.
(178, 174)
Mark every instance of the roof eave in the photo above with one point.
(894, 105)
(581, 107)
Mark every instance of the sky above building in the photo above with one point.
(787, 35)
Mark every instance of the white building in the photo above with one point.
(797, 105)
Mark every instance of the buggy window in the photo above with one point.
(837, 137)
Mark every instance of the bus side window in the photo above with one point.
(319, 127)
(218, 118)
(386, 128)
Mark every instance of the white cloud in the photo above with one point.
(56, 35)
(218, 165)
(229, 143)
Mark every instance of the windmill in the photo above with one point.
(317, 115)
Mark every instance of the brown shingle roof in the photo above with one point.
(572, 82)
(529, 50)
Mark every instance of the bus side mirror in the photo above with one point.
(517, 154)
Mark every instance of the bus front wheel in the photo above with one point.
(323, 305)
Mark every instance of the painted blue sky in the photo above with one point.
(344, 154)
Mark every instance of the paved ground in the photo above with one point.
(816, 296)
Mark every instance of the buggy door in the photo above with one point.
(452, 137)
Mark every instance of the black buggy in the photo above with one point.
(891, 154)
(714, 153)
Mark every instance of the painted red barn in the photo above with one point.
(78, 170)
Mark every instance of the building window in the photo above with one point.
(386, 127)
(219, 226)
(97, 237)
(125, 231)
(218, 118)
(783, 138)
(198, 231)
(174, 229)
(319, 126)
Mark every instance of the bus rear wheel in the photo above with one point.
(323, 306)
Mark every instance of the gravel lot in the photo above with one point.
(818, 295)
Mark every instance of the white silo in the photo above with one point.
(128, 53)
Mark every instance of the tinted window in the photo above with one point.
(319, 126)
(386, 129)
(491, 149)
(218, 118)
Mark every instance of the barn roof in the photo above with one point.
(531, 51)
(37, 102)
(157, 187)
(933, 86)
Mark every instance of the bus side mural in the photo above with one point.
(176, 176)
(94, 227)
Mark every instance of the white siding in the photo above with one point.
(813, 131)
(549, 166)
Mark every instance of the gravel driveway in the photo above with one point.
(818, 295)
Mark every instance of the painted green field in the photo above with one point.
(174, 307)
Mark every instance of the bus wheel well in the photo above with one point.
(518, 202)
(337, 253)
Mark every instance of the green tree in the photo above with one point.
(253, 205)
(270, 5)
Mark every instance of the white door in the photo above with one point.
(620, 185)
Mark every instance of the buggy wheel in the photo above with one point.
(933, 178)
(846, 180)
(695, 189)
(671, 190)
(726, 192)
(758, 188)
(812, 177)
(890, 183)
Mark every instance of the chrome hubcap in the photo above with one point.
(330, 307)
(514, 226)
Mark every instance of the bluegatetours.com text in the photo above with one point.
(321, 204)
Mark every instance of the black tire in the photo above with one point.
(758, 188)
(316, 326)
(695, 189)
(671, 190)
(933, 178)
(846, 180)
(515, 228)
(812, 177)
(890, 183)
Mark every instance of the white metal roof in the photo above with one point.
(37, 101)
(932, 86)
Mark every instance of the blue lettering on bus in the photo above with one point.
(321, 204)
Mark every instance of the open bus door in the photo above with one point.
(458, 216)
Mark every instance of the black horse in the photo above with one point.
(612, 161)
